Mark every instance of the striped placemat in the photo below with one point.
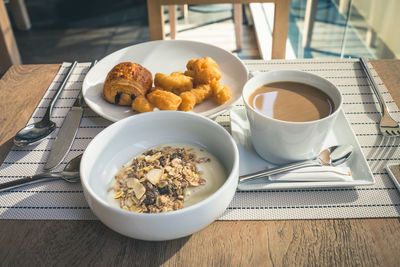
(59, 200)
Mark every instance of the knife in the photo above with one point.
(67, 133)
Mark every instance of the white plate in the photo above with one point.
(164, 57)
(251, 162)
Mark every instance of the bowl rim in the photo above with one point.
(171, 114)
(288, 71)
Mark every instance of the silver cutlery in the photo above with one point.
(67, 132)
(69, 174)
(388, 126)
(36, 132)
(332, 156)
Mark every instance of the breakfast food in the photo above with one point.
(166, 178)
(202, 92)
(177, 82)
(131, 84)
(188, 101)
(203, 70)
(125, 82)
(141, 104)
(195, 96)
(220, 92)
(164, 100)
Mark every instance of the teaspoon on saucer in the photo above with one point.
(332, 156)
(36, 132)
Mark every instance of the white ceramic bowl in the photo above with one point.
(123, 140)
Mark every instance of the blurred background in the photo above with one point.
(85, 30)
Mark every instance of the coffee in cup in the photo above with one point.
(291, 101)
(290, 114)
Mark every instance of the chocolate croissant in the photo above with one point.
(125, 82)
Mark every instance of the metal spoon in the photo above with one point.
(36, 132)
(69, 174)
(332, 156)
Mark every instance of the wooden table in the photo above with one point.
(335, 242)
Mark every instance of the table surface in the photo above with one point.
(364, 242)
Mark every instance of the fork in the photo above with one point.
(388, 126)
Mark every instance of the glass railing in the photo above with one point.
(345, 28)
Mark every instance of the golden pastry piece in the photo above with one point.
(188, 101)
(195, 96)
(125, 82)
(202, 92)
(177, 82)
(164, 100)
(203, 70)
(190, 73)
(154, 88)
(220, 92)
(141, 104)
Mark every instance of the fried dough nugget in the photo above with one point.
(188, 101)
(202, 92)
(203, 70)
(220, 92)
(164, 100)
(154, 88)
(194, 96)
(176, 82)
(141, 104)
(190, 73)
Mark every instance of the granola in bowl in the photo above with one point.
(166, 178)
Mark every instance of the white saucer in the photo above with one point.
(251, 162)
(391, 170)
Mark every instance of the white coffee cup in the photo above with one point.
(280, 141)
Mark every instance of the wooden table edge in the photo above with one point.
(23, 105)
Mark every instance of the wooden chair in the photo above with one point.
(237, 18)
(9, 53)
(279, 33)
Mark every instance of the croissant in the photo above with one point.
(125, 82)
